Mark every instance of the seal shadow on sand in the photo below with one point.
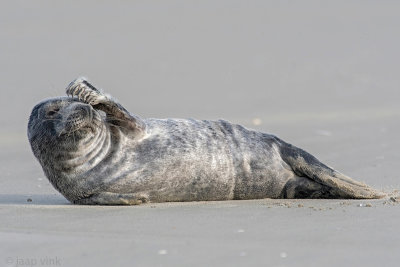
(315, 204)
(34, 199)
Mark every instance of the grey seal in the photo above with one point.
(94, 151)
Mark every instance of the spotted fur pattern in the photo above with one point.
(95, 152)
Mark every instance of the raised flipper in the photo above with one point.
(332, 183)
(116, 113)
(109, 198)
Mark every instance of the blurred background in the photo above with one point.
(323, 76)
(320, 75)
(204, 59)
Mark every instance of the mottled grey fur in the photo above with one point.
(95, 152)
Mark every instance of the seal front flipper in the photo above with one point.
(317, 176)
(109, 198)
(116, 113)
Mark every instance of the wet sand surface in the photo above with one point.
(324, 78)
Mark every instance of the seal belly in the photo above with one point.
(180, 160)
(189, 160)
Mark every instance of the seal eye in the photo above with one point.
(52, 112)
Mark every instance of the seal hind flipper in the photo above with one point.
(333, 183)
(116, 113)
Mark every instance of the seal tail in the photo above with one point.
(339, 185)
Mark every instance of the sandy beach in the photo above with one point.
(323, 77)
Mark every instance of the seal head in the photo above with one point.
(62, 124)
(63, 133)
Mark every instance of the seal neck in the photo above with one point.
(88, 152)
